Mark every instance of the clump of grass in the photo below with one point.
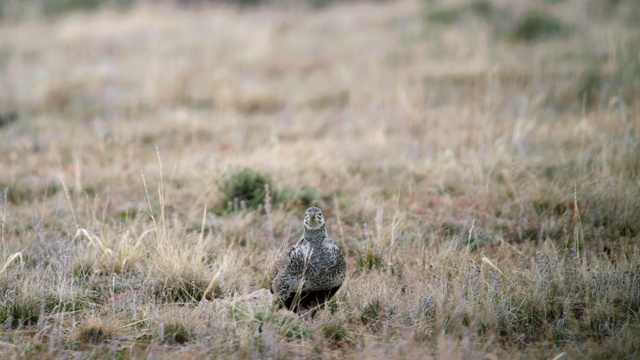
(482, 8)
(181, 278)
(259, 103)
(337, 100)
(370, 259)
(95, 331)
(589, 86)
(184, 276)
(181, 290)
(445, 15)
(174, 333)
(54, 7)
(83, 271)
(30, 190)
(120, 256)
(22, 307)
(597, 85)
(246, 188)
(548, 207)
(21, 311)
(537, 25)
(60, 7)
(627, 72)
(291, 327)
(334, 331)
(626, 229)
(303, 197)
(451, 14)
(243, 3)
(376, 313)
(7, 117)
(451, 230)
(332, 306)
(557, 299)
(307, 196)
(287, 324)
(370, 312)
(92, 335)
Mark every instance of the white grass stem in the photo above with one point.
(4, 219)
(153, 218)
(11, 259)
(204, 220)
(161, 195)
(492, 265)
(66, 193)
(94, 240)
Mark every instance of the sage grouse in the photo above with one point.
(309, 273)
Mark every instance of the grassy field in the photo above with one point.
(478, 163)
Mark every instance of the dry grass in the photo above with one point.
(483, 184)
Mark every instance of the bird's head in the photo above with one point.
(313, 218)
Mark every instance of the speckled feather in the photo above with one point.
(316, 260)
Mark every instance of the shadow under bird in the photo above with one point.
(310, 272)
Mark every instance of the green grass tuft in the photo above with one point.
(444, 16)
(370, 260)
(536, 25)
(246, 188)
(175, 333)
(334, 332)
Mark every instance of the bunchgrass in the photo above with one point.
(537, 25)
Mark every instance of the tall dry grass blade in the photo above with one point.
(473, 224)
(4, 219)
(150, 210)
(135, 323)
(337, 209)
(394, 225)
(267, 209)
(492, 265)
(94, 240)
(225, 264)
(11, 259)
(77, 173)
(66, 193)
(515, 249)
(560, 356)
(578, 233)
(139, 239)
(204, 220)
(161, 195)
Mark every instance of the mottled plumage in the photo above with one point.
(309, 273)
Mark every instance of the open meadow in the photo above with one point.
(477, 162)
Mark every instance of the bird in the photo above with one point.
(309, 273)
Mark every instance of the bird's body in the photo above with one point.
(309, 273)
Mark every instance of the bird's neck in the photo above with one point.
(315, 234)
